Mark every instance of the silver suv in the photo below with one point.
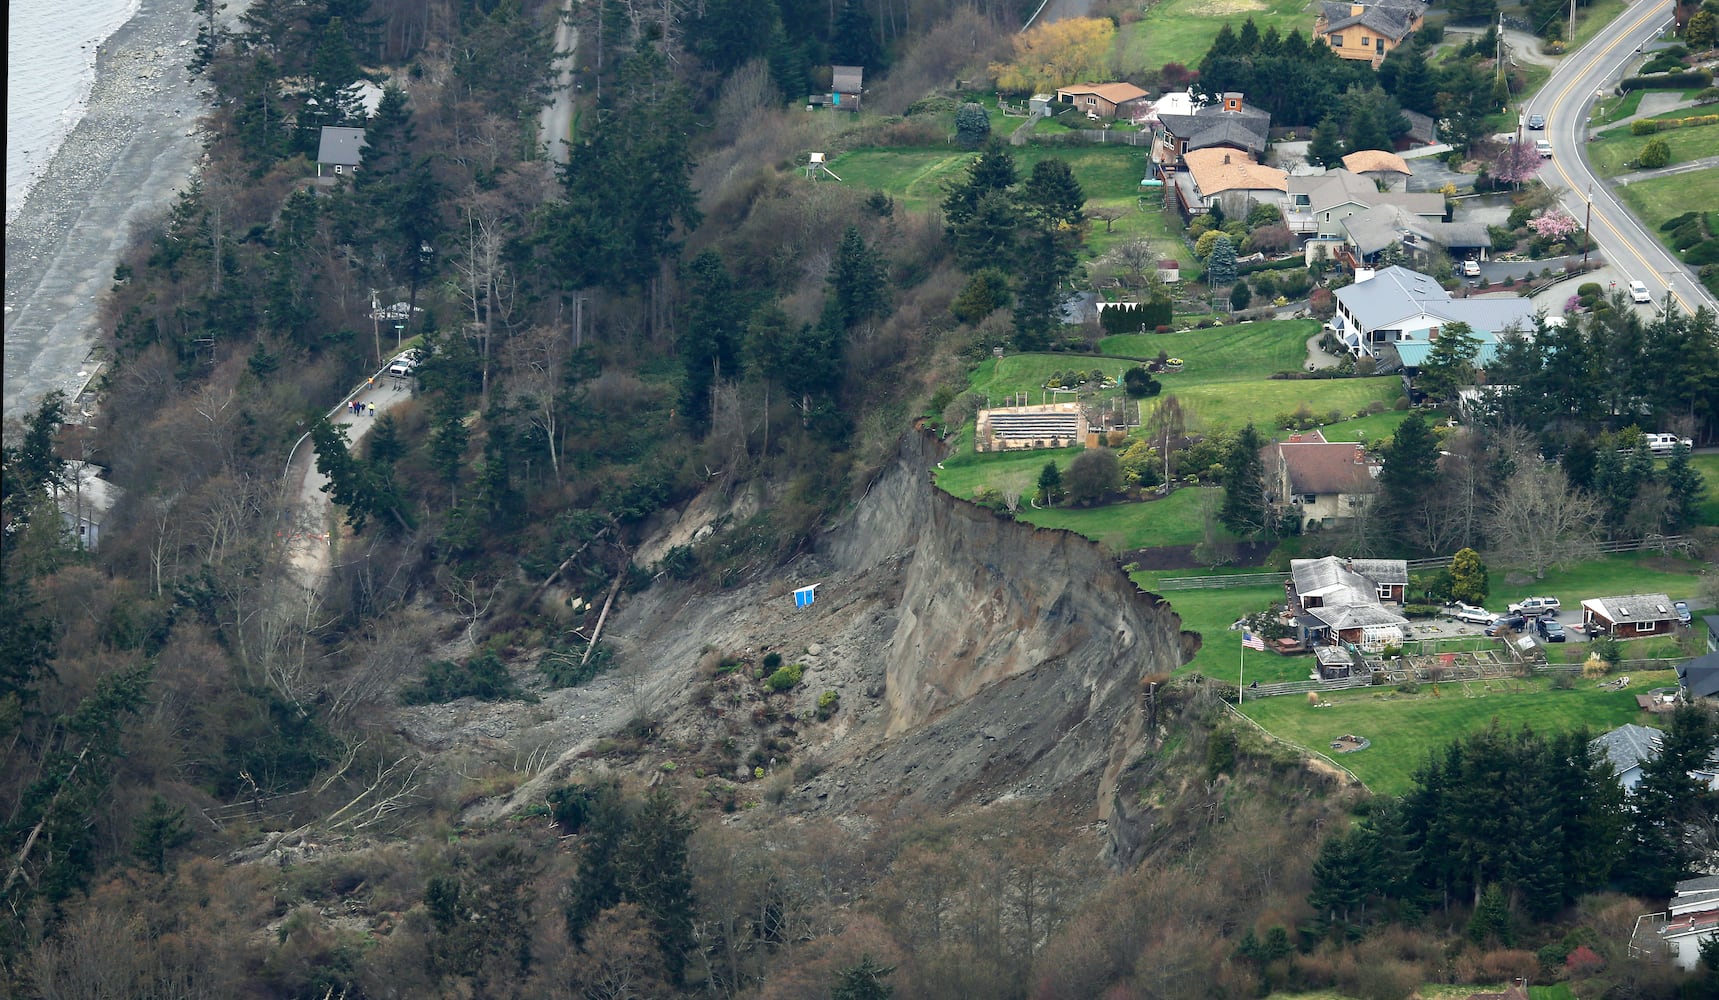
(1534, 607)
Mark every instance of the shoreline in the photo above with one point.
(135, 149)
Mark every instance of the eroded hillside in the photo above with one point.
(974, 658)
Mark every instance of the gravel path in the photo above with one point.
(124, 162)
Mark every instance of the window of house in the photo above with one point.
(1310, 498)
(1385, 593)
(1336, 41)
(1365, 41)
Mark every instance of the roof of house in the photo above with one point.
(847, 79)
(1245, 126)
(1422, 128)
(1319, 467)
(1115, 93)
(1386, 223)
(1393, 20)
(1628, 746)
(1701, 883)
(1346, 581)
(341, 146)
(1631, 608)
(85, 487)
(1487, 319)
(1396, 294)
(1363, 160)
(1228, 133)
(1218, 170)
(1347, 616)
(1338, 187)
(1700, 676)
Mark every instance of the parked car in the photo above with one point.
(1683, 614)
(1471, 268)
(1508, 623)
(1534, 607)
(1550, 630)
(1544, 148)
(1471, 613)
(1638, 292)
(1536, 122)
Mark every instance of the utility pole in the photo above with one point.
(1572, 32)
(1588, 237)
(1498, 55)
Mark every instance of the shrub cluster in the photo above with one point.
(786, 677)
(1134, 317)
(1648, 126)
(1692, 80)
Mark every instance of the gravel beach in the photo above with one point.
(125, 161)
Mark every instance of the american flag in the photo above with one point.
(1252, 641)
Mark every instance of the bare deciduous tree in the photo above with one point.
(1539, 520)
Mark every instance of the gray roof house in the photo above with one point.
(1341, 601)
(846, 86)
(1629, 616)
(1400, 306)
(1230, 123)
(1712, 623)
(341, 148)
(1373, 230)
(1691, 918)
(1318, 203)
(1699, 678)
(1628, 747)
(85, 500)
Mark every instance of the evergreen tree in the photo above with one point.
(858, 285)
(710, 335)
(1221, 265)
(159, 830)
(1341, 874)
(1449, 365)
(1409, 475)
(1244, 511)
(1684, 487)
(864, 981)
(993, 170)
(1468, 582)
(1052, 196)
(1666, 799)
(853, 42)
(1050, 483)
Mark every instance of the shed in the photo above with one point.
(847, 84)
(1629, 616)
(84, 500)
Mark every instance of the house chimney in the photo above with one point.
(1360, 455)
(1355, 9)
(1232, 102)
(1226, 158)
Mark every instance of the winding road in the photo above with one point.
(1566, 100)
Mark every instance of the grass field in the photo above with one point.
(1224, 354)
(1590, 19)
(1373, 428)
(1175, 520)
(1616, 149)
(1623, 573)
(1405, 728)
(1210, 612)
(1221, 405)
(965, 470)
(1659, 198)
(1109, 176)
(999, 378)
(1182, 30)
(1708, 466)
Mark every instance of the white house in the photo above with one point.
(1397, 305)
(1628, 747)
(1692, 917)
(84, 501)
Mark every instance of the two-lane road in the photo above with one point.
(1565, 100)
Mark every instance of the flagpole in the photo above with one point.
(1240, 673)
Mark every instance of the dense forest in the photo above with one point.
(204, 793)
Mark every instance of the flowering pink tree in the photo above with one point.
(1554, 225)
(1517, 162)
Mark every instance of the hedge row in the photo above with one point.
(1648, 126)
(1135, 316)
(1286, 264)
(1667, 81)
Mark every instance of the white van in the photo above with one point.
(1638, 292)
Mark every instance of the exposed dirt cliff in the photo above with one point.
(975, 658)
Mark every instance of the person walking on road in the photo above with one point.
(373, 409)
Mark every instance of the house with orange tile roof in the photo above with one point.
(1101, 99)
(1219, 175)
(1385, 169)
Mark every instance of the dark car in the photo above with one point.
(1549, 630)
(1536, 121)
(1508, 623)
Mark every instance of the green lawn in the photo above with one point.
(1220, 405)
(1247, 352)
(998, 379)
(1708, 466)
(1175, 520)
(1373, 428)
(1404, 729)
(1109, 176)
(1210, 612)
(1616, 149)
(1608, 576)
(965, 471)
(1182, 30)
(1598, 14)
(1659, 198)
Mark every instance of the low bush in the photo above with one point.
(483, 677)
(1692, 80)
(786, 678)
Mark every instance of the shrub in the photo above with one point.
(786, 677)
(483, 677)
(1588, 289)
(972, 125)
(1643, 126)
(1240, 296)
(828, 702)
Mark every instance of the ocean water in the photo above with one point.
(50, 67)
